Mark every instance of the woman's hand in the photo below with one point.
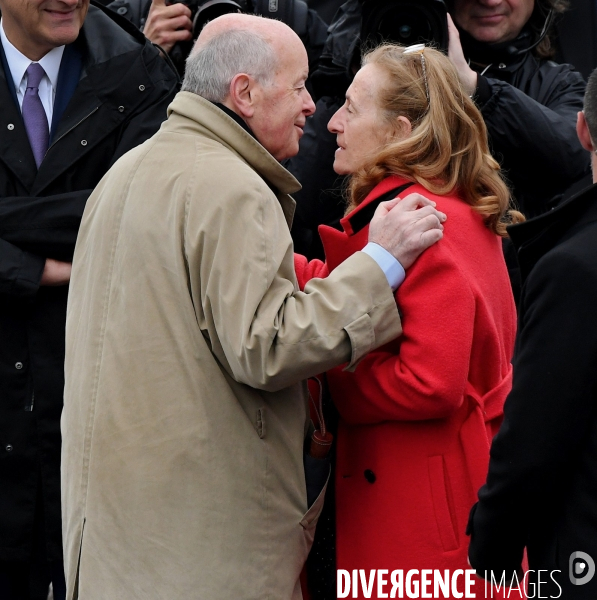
(405, 228)
(468, 78)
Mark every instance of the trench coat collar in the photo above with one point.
(204, 117)
(535, 237)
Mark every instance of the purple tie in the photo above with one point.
(34, 115)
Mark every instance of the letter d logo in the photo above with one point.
(582, 568)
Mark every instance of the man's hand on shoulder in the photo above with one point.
(56, 272)
(405, 228)
(168, 23)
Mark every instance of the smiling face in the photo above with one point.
(493, 21)
(359, 125)
(36, 26)
(282, 107)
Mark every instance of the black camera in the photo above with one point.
(292, 12)
(405, 22)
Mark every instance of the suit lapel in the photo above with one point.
(68, 79)
(15, 150)
(100, 93)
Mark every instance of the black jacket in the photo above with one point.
(120, 90)
(529, 107)
(541, 490)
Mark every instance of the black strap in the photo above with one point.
(363, 217)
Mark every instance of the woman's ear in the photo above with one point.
(403, 128)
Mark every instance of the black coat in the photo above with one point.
(541, 490)
(120, 90)
(530, 106)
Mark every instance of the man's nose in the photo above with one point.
(308, 105)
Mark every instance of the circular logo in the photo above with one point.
(582, 568)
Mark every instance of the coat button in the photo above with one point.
(9, 448)
(19, 365)
(10, 127)
(121, 109)
(502, 66)
(83, 142)
(141, 88)
(370, 476)
(122, 10)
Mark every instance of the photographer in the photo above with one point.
(529, 104)
(174, 24)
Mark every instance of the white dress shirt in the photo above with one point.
(18, 64)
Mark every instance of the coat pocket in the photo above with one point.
(441, 507)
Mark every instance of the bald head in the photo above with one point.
(256, 67)
(275, 33)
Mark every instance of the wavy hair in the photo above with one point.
(447, 150)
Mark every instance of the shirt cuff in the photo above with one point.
(392, 269)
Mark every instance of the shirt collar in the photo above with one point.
(18, 63)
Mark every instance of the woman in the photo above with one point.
(418, 415)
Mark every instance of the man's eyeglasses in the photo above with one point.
(418, 49)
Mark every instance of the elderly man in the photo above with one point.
(187, 340)
(77, 89)
(542, 481)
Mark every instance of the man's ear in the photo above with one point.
(242, 95)
(582, 130)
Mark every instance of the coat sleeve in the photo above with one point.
(20, 271)
(546, 416)
(265, 332)
(33, 229)
(533, 131)
(423, 374)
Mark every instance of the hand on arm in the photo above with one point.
(168, 24)
(405, 228)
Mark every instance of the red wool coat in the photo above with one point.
(418, 415)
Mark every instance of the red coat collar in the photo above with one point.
(339, 245)
(363, 213)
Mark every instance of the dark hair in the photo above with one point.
(590, 105)
(545, 48)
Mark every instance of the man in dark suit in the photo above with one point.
(79, 87)
(541, 490)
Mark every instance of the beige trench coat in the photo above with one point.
(187, 340)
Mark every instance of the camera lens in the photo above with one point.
(405, 31)
(405, 22)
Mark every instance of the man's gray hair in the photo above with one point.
(210, 69)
